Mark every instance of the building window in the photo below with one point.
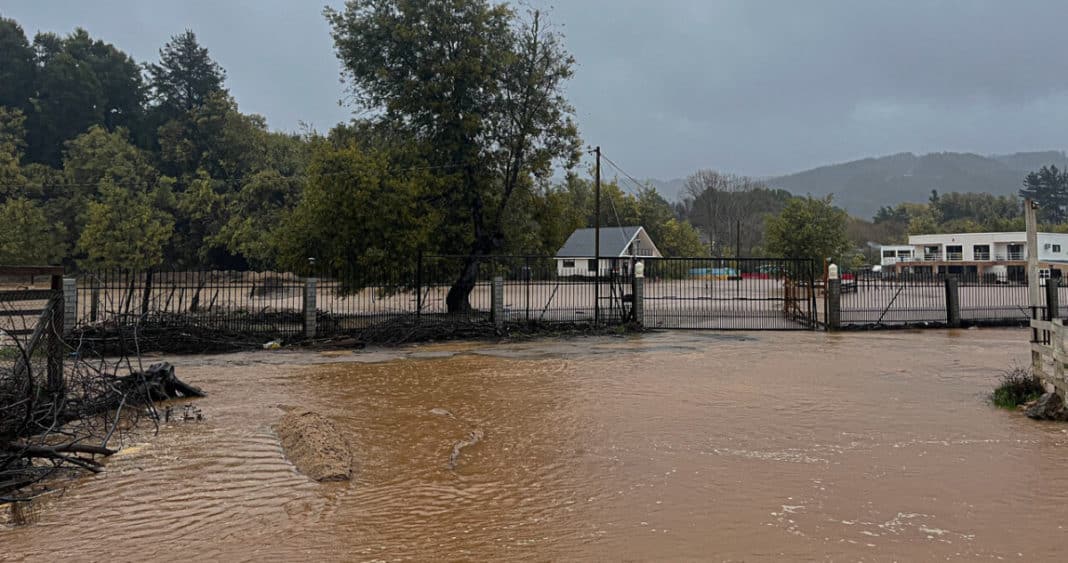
(569, 263)
(981, 251)
(954, 253)
(889, 254)
(1056, 248)
(591, 265)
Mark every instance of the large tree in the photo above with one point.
(17, 66)
(185, 77)
(809, 228)
(80, 82)
(480, 89)
(1049, 187)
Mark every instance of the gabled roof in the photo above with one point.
(615, 242)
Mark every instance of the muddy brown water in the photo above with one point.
(670, 446)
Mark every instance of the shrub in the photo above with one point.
(1018, 386)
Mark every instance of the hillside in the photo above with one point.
(863, 186)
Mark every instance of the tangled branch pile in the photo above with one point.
(48, 432)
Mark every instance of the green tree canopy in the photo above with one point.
(26, 235)
(358, 212)
(809, 228)
(186, 77)
(124, 230)
(479, 89)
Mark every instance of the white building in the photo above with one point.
(892, 254)
(977, 254)
(618, 246)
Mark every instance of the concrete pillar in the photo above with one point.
(310, 311)
(953, 302)
(834, 304)
(70, 304)
(497, 302)
(639, 300)
(1053, 308)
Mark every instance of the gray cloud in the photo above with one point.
(757, 87)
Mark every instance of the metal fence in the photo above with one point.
(726, 294)
(919, 300)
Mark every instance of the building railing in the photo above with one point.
(1010, 256)
(981, 255)
(954, 256)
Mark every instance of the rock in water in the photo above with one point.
(1048, 407)
(312, 442)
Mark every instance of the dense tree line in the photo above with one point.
(108, 162)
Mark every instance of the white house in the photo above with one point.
(978, 253)
(618, 246)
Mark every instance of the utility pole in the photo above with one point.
(597, 239)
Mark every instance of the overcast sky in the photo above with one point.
(670, 86)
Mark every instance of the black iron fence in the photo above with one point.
(725, 294)
(923, 300)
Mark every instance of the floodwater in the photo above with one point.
(669, 446)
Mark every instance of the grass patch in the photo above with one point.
(1017, 386)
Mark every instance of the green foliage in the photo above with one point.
(356, 212)
(26, 235)
(1017, 386)
(679, 239)
(478, 89)
(185, 78)
(17, 66)
(79, 82)
(124, 230)
(808, 228)
(1049, 187)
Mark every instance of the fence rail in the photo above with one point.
(916, 300)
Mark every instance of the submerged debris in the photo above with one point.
(474, 437)
(314, 444)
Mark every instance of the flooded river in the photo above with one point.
(681, 446)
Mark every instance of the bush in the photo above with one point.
(1017, 386)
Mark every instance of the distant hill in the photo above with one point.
(863, 186)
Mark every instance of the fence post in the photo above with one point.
(94, 299)
(70, 304)
(639, 300)
(309, 307)
(497, 302)
(55, 343)
(419, 285)
(833, 297)
(1053, 305)
(953, 302)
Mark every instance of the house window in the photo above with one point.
(591, 265)
(981, 251)
(889, 254)
(569, 263)
(954, 252)
(1056, 248)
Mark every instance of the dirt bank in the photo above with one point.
(315, 446)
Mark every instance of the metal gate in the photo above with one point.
(730, 293)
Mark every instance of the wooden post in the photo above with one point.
(952, 302)
(1033, 295)
(55, 338)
